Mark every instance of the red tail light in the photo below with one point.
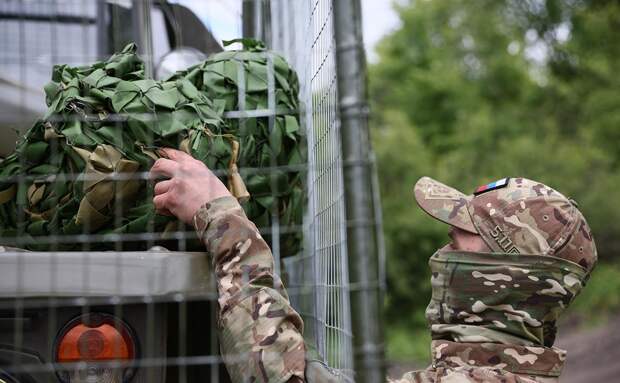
(95, 338)
(104, 342)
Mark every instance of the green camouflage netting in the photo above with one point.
(267, 126)
(81, 169)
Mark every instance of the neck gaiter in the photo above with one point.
(500, 298)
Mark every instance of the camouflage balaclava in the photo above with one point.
(542, 255)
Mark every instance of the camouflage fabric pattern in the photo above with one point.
(469, 374)
(525, 217)
(531, 218)
(444, 203)
(260, 333)
(494, 315)
(502, 298)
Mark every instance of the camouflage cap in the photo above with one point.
(514, 215)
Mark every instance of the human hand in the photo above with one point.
(190, 185)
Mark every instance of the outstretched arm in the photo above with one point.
(260, 333)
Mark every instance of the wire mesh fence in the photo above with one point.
(304, 32)
(150, 289)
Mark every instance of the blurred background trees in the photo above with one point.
(468, 92)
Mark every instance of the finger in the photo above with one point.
(175, 155)
(161, 204)
(163, 167)
(162, 187)
(164, 212)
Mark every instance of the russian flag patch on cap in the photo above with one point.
(492, 186)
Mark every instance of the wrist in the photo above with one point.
(213, 209)
(217, 191)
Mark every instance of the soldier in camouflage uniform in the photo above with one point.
(494, 308)
(520, 253)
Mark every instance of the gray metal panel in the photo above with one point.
(98, 274)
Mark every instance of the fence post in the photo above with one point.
(103, 33)
(256, 21)
(141, 17)
(361, 230)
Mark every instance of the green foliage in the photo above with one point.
(459, 95)
(406, 344)
(602, 295)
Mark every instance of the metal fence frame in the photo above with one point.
(303, 32)
(275, 21)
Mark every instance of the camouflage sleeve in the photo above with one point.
(260, 333)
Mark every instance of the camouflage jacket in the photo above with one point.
(260, 333)
(492, 316)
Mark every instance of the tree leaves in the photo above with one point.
(457, 96)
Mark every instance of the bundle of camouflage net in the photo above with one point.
(260, 94)
(82, 168)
